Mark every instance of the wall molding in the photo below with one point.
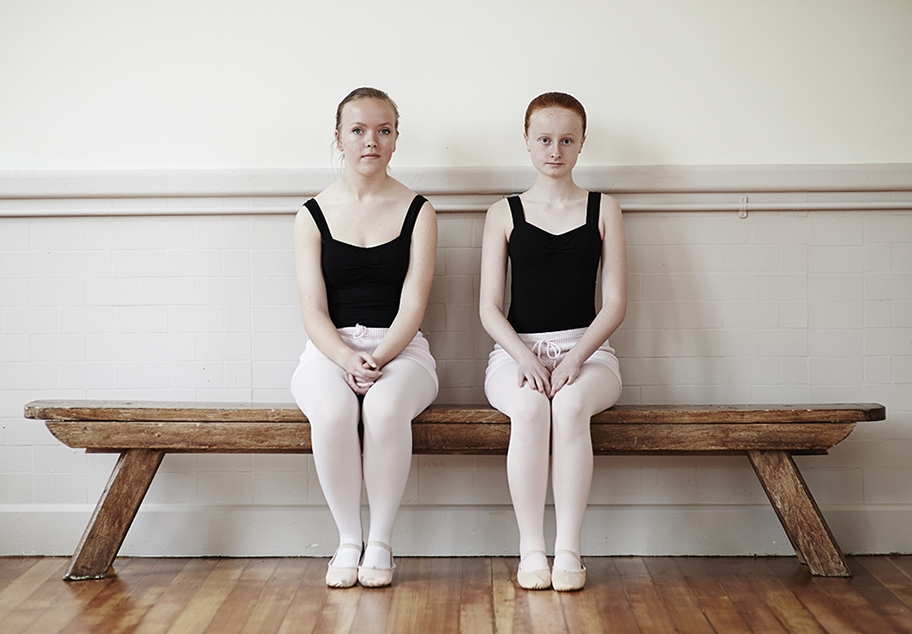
(742, 189)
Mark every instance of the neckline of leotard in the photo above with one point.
(519, 215)
(408, 223)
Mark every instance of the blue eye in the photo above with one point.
(386, 131)
(357, 130)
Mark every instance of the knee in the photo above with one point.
(384, 419)
(332, 418)
(531, 405)
(531, 417)
(567, 406)
(570, 418)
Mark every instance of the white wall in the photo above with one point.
(104, 84)
(104, 296)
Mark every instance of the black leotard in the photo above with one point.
(554, 276)
(364, 284)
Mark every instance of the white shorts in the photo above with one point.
(362, 339)
(551, 347)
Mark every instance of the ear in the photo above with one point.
(526, 139)
(582, 143)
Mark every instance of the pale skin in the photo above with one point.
(365, 208)
(555, 204)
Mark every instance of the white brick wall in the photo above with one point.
(777, 307)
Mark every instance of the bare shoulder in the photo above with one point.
(499, 217)
(426, 222)
(427, 207)
(499, 211)
(611, 221)
(427, 211)
(302, 217)
(498, 224)
(609, 211)
(610, 205)
(304, 226)
(405, 196)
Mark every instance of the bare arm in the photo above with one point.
(498, 226)
(614, 296)
(315, 308)
(415, 290)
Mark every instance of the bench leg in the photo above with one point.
(114, 514)
(799, 514)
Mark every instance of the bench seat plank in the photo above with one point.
(143, 431)
(449, 438)
(88, 410)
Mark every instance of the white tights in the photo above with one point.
(564, 421)
(401, 393)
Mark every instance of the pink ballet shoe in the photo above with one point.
(568, 580)
(342, 576)
(533, 579)
(377, 577)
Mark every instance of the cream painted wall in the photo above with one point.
(211, 84)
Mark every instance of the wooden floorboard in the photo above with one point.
(704, 576)
(477, 595)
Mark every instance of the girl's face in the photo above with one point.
(554, 140)
(367, 134)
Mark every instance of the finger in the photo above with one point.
(369, 362)
(364, 374)
(555, 387)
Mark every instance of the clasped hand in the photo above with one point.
(548, 382)
(361, 371)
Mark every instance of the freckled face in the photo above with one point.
(367, 134)
(554, 139)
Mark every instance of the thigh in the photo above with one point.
(320, 390)
(504, 393)
(405, 387)
(595, 389)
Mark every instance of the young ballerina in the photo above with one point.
(364, 254)
(552, 368)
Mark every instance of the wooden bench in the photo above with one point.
(143, 432)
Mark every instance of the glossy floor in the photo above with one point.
(472, 595)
